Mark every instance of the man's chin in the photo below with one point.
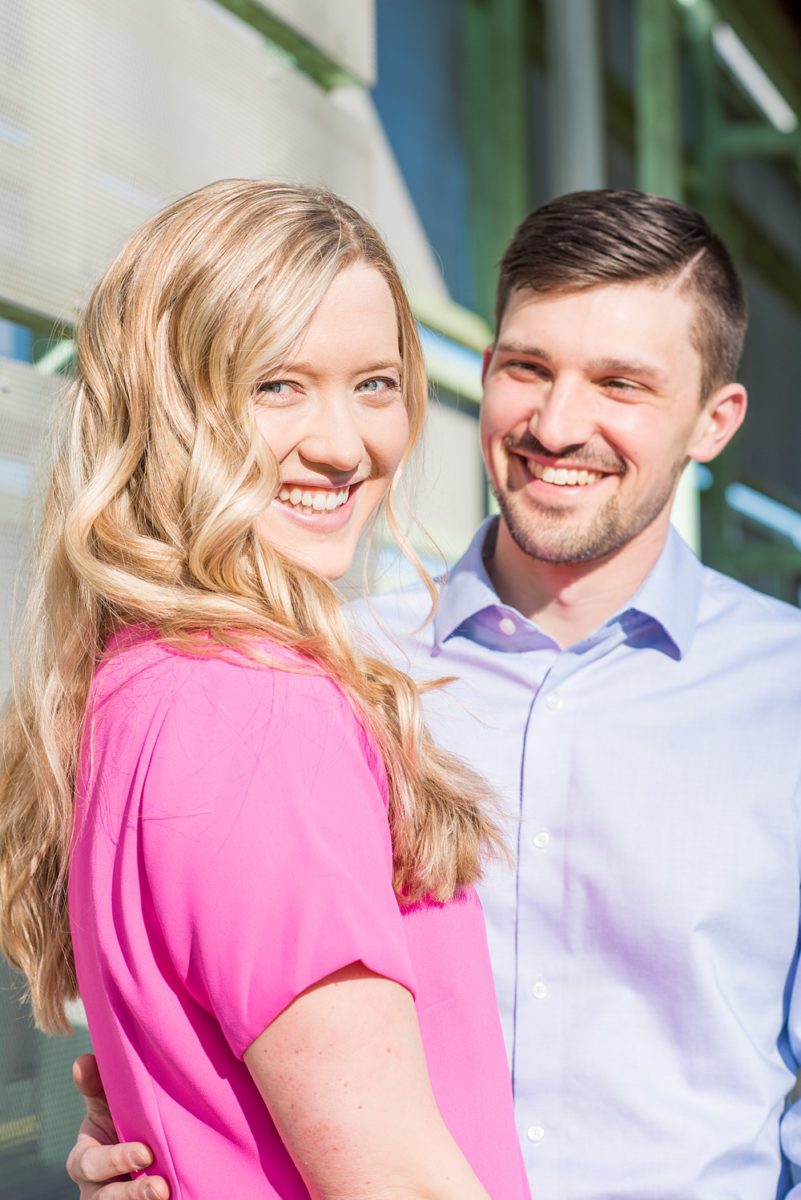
(554, 537)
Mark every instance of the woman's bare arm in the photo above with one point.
(97, 1161)
(343, 1073)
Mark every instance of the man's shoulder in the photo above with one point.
(729, 600)
(396, 623)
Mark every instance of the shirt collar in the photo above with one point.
(668, 597)
(670, 594)
(468, 589)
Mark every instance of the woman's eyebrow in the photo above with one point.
(308, 368)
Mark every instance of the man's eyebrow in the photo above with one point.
(627, 366)
(523, 349)
(611, 366)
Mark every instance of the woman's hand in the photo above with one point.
(97, 1161)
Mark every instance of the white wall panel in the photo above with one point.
(116, 108)
(26, 403)
(449, 499)
(444, 488)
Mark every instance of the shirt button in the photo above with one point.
(541, 840)
(535, 1133)
(507, 626)
(539, 990)
(554, 701)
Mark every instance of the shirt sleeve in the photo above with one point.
(265, 843)
(791, 1120)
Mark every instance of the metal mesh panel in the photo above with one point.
(110, 110)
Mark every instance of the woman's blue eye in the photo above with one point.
(379, 384)
(272, 387)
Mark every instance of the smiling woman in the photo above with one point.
(268, 863)
(336, 422)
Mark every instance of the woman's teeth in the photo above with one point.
(314, 499)
(563, 476)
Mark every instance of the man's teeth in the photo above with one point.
(316, 501)
(563, 476)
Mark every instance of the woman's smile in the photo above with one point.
(336, 420)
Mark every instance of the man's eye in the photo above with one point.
(620, 385)
(529, 368)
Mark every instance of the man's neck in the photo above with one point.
(569, 600)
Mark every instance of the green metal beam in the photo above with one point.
(708, 102)
(460, 324)
(781, 556)
(36, 321)
(749, 139)
(751, 240)
(495, 107)
(58, 358)
(304, 54)
(658, 98)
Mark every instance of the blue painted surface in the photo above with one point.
(418, 96)
(463, 358)
(16, 341)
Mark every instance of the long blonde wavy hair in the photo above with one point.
(158, 480)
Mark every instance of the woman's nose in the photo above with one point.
(334, 439)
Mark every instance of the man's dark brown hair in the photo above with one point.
(608, 236)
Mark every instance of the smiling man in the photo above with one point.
(638, 714)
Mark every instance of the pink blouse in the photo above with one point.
(231, 848)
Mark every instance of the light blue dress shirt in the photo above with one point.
(645, 944)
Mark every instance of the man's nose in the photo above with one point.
(563, 416)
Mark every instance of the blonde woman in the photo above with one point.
(221, 822)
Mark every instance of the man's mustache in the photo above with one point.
(593, 458)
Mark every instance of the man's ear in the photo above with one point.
(721, 417)
(485, 362)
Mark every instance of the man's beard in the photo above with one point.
(554, 535)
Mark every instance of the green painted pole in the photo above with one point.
(659, 150)
(710, 197)
(658, 98)
(495, 116)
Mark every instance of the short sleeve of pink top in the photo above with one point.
(231, 848)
